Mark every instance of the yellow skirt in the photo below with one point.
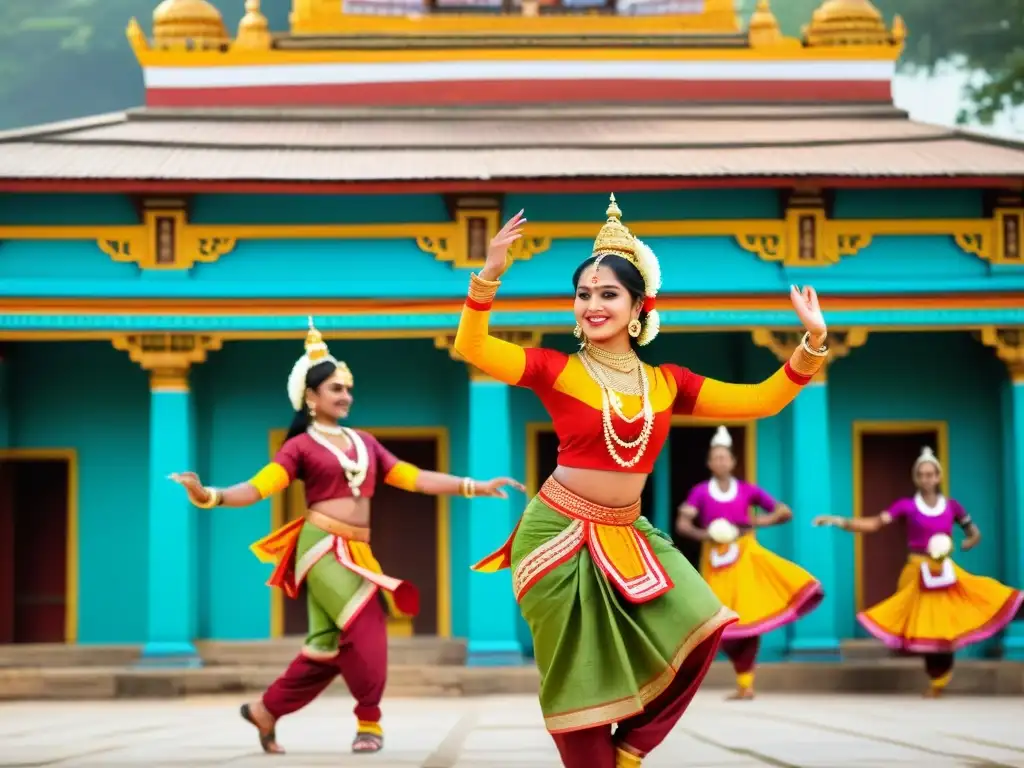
(940, 611)
(767, 591)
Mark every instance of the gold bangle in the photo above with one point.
(215, 499)
(481, 290)
(821, 351)
(470, 488)
(806, 361)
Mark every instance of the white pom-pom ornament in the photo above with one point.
(940, 546)
(721, 531)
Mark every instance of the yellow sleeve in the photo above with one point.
(403, 476)
(720, 400)
(503, 360)
(272, 479)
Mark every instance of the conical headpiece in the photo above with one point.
(316, 352)
(614, 237)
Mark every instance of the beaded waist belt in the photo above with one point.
(562, 500)
(336, 527)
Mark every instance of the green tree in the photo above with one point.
(986, 36)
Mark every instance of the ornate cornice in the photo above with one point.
(805, 237)
(167, 356)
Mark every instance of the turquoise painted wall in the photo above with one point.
(102, 412)
(283, 268)
(92, 398)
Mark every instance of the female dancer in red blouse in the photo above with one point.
(623, 626)
(348, 595)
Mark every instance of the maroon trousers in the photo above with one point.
(742, 652)
(362, 661)
(595, 747)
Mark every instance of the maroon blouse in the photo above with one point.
(303, 458)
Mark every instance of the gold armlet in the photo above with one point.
(214, 500)
(482, 291)
(806, 360)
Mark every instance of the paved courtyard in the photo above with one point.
(786, 731)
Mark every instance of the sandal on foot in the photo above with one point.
(268, 739)
(367, 743)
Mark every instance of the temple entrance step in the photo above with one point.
(431, 651)
(865, 649)
(896, 676)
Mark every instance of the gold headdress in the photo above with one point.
(615, 239)
(316, 352)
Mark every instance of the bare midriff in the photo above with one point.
(609, 489)
(349, 511)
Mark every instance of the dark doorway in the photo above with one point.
(689, 450)
(33, 550)
(403, 536)
(886, 462)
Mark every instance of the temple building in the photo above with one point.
(157, 268)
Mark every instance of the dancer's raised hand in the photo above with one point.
(497, 251)
(805, 302)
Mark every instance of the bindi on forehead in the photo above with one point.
(592, 277)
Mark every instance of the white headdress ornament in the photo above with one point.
(927, 457)
(316, 352)
(722, 438)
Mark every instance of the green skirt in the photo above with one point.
(342, 577)
(607, 639)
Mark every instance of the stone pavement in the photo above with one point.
(782, 730)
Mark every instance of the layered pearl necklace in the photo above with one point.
(355, 469)
(610, 401)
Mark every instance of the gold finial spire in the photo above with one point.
(316, 350)
(136, 37)
(613, 211)
(899, 30)
(253, 29)
(764, 27)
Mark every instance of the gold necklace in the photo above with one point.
(609, 403)
(626, 382)
(626, 362)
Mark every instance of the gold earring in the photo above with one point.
(633, 329)
(577, 331)
(312, 411)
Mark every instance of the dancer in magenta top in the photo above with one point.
(938, 606)
(766, 590)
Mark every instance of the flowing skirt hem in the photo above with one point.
(620, 709)
(899, 642)
(803, 602)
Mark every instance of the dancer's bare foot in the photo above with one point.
(932, 693)
(741, 694)
(367, 743)
(257, 715)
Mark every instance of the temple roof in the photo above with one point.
(402, 145)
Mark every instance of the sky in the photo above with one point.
(937, 100)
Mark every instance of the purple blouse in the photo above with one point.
(923, 521)
(732, 504)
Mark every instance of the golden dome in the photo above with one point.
(847, 22)
(184, 22)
